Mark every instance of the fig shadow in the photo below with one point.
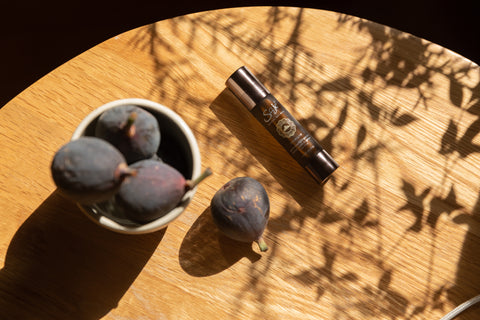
(61, 265)
(205, 251)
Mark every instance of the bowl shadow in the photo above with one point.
(60, 265)
(205, 251)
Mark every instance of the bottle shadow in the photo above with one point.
(205, 251)
(258, 141)
(60, 265)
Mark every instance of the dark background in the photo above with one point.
(39, 36)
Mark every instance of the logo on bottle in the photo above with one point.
(286, 128)
(269, 110)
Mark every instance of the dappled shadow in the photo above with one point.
(166, 72)
(408, 62)
(60, 265)
(402, 118)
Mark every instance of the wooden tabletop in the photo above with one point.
(393, 235)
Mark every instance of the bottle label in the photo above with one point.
(286, 130)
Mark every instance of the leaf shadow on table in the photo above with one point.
(61, 265)
(391, 62)
(397, 61)
(205, 251)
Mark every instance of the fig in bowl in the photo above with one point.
(122, 136)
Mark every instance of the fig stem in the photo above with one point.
(123, 170)
(129, 127)
(262, 244)
(190, 184)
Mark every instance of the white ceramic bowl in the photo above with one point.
(178, 147)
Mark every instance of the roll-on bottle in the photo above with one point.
(281, 124)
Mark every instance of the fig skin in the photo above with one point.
(132, 130)
(89, 170)
(241, 209)
(156, 189)
(153, 191)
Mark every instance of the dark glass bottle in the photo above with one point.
(281, 124)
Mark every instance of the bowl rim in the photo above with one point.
(163, 221)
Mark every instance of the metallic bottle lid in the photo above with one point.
(246, 87)
(321, 166)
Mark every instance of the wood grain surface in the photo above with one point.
(393, 235)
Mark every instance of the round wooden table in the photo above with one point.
(393, 235)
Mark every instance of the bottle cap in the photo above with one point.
(246, 87)
(321, 166)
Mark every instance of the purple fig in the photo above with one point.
(153, 191)
(132, 130)
(89, 170)
(241, 210)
